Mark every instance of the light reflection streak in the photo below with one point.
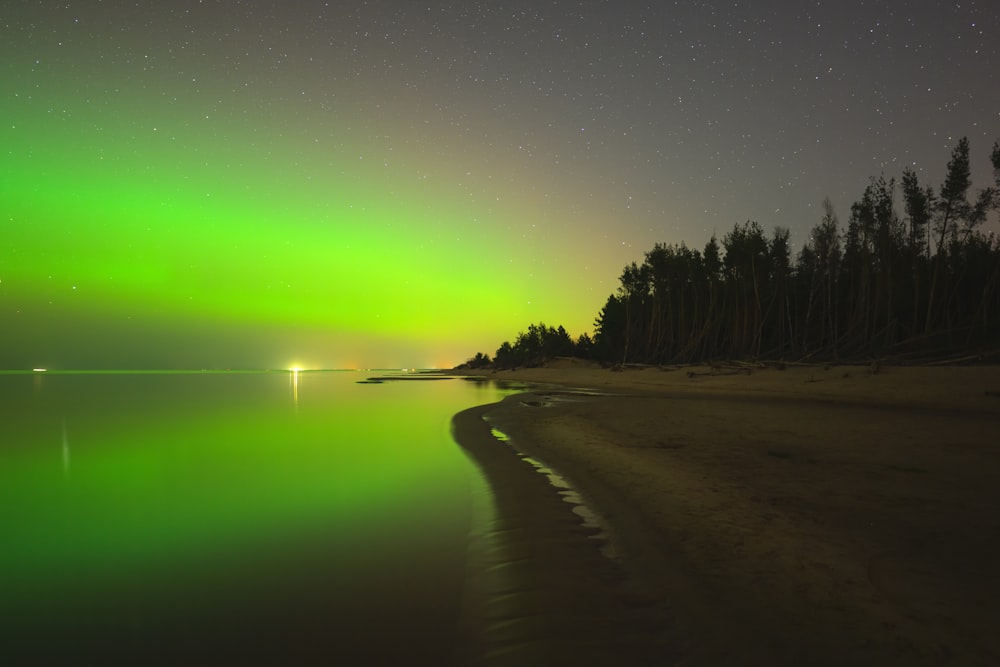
(65, 448)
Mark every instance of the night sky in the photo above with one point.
(353, 184)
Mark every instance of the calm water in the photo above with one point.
(245, 517)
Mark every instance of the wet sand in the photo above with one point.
(824, 516)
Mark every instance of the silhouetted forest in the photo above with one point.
(920, 280)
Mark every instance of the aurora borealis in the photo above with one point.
(260, 185)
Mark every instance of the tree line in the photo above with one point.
(534, 346)
(920, 280)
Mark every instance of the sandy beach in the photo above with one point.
(810, 515)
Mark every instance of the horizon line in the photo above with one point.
(183, 371)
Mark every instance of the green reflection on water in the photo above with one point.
(150, 483)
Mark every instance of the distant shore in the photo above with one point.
(810, 515)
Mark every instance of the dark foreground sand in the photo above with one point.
(808, 516)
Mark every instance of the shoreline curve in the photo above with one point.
(818, 516)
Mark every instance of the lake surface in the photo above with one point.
(292, 518)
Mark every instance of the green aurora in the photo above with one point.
(121, 240)
(165, 218)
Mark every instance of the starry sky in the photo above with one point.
(215, 184)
